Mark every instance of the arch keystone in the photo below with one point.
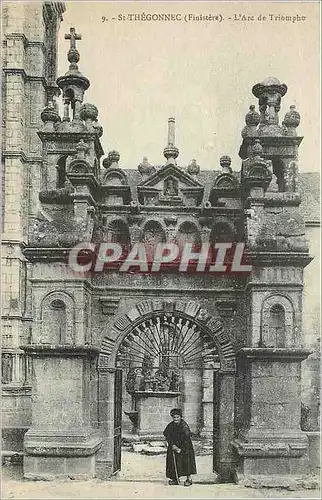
(144, 307)
(180, 306)
(168, 305)
(157, 305)
(122, 323)
(133, 314)
(192, 309)
(203, 316)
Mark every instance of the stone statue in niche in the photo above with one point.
(129, 383)
(170, 187)
(174, 381)
(135, 380)
(147, 364)
(149, 384)
(161, 381)
(138, 380)
(162, 376)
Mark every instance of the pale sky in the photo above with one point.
(200, 72)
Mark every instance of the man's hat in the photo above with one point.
(176, 411)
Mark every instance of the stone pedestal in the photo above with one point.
(271, 446)
(154, 412)
(61, 442)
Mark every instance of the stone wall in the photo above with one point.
(311, 367)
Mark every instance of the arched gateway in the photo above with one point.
(156, 343)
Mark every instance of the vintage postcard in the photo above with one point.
(160, 249)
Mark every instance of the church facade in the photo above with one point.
(92, 354)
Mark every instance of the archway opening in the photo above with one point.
(166, 360)
(174, 350)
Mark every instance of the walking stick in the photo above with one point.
(175, 466)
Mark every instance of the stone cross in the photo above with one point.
(72, 36)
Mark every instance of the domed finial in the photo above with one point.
(269, 93)
(145, 168)
(171, 152)
(50, 116)
(88, 112)
(112, 159)
(291, 121)
(252, 119)
(225, 162)
(193, 168)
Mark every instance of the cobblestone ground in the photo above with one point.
(141, 477)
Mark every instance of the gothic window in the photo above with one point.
(6, 368)
(277, 325)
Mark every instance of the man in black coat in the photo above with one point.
(180, 454)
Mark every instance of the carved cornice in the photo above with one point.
(154, 291)
(277, 199)
(290, 285)
(46, 254)
(21, 72)
(274, 353)
(15, 390)
(258, 258)
(22, 156)
(60, 350)
(276, 143)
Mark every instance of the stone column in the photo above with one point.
(270, 445)
(207, 403)
(224, 409)
(105, 456)
(61, 442)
